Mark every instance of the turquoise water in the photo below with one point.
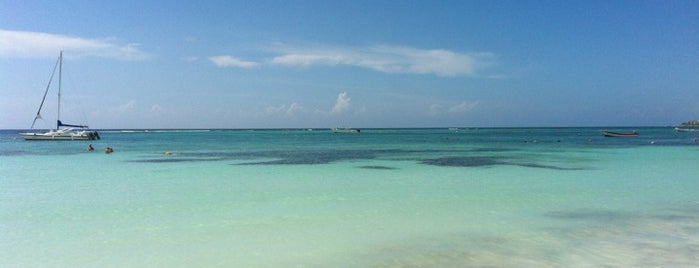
(517, 197)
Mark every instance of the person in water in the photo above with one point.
(109, 150)
(90, 148)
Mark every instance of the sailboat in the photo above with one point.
(62, 131)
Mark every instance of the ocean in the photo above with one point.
(468, 197)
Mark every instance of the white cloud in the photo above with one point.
(392, 59)
(386, 59)
(436, 109)
(21, 44)
(283, 109)
(229, 61)
(293, 108)
(463, 107)
(342, 104)
(126, 107)
(312, 59)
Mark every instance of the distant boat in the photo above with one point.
(346, 130)
(62, 131)
(689, 126)
(619, 134)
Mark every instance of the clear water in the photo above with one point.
(383, 198)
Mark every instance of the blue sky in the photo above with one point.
(312, 64)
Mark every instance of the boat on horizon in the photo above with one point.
(607, 133)
(345, 130)
(689, 126)
(62, 131)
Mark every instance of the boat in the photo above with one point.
(607, 133)
(345, 130)
(62, 131)
(689, 126)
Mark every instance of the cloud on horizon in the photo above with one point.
(127, 107)
(284, 110)
(23, 44)
(386, 59)
(230, 61)
(462, 107)
(342, 103)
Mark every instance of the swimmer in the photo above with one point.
(109, 150)
(90, 148)
(168, 153)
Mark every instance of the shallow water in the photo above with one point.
(388, 198)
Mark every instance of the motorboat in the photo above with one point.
(607, 133)
(689, 126)
(345, 130)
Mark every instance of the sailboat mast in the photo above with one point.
(60, 72)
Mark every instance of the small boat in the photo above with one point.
(689, 126)
(345, 130)
(62, 131)
(619, 134)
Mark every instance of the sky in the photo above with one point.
(359, 63)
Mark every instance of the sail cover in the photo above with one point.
(60, 124)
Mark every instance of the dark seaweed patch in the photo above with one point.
(13, 153)
(174, 160)
(316, 157)
(493, 150)
(484, 161)
(542, 166)
(467, 161)
(674, 217)
(312, 157)
(281, 157)
(590, 215)
(378, 167)
(290, 157)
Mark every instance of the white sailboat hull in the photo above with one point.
(345, 130)
(61, 134)
(687, 129)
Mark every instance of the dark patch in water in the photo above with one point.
(542, 166)
(590, 215)
(466, 161)
(493, 150)
(311, 157)
(174, 160)
(13, 153)
(317, 157)
(484, 161)
(378, 167)
(674, 217)
(684, 215)
(282, 157)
